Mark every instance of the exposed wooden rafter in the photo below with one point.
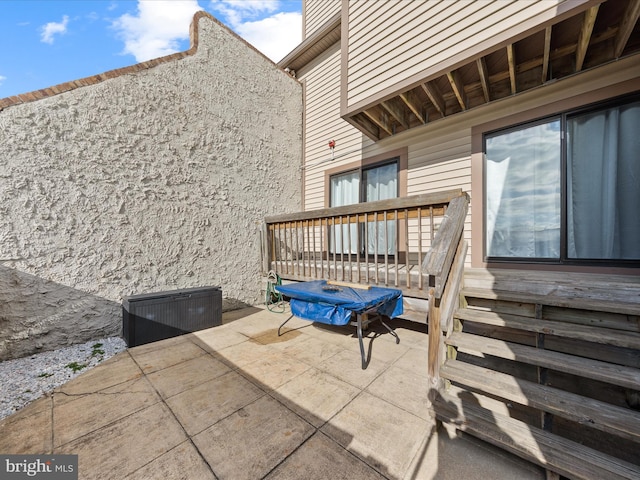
(367, 126)
(585, 35)
(511, 58)
(629, 20)
(458, 88)
(397, 111)
(381, 120)
(484, 78)
(595, 36)
(411, 100)
(435, 96)
(546, 53)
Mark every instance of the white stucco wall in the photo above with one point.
(146, 182)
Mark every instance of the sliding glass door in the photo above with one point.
(603, 184)
(367, 185)
(566, 189)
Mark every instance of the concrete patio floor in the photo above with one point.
(238, 402)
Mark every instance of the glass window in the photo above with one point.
(566, 189)
(379, 182)
(523, 192)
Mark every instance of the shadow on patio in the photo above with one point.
(239, 402)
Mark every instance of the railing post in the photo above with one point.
(266, 251)
(435, 341)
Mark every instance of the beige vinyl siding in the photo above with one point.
(441, 163)
(322, 124)
(317, 12)
(392, 42)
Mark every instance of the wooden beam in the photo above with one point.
(458, 88)
(484, 78)
(585, 35)
(435, 96)
(397, 111)
(412, 101)
(380, 121)
(545, 56)
(629, 20)
(511, 56)
(367, 126)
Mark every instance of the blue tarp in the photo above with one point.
(319, 302)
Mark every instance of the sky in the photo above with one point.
(47, 42)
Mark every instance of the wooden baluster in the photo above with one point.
(366, 246)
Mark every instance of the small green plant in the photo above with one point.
(45, 375)
(96, 350)
(75, 366)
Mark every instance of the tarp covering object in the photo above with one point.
(319, 302)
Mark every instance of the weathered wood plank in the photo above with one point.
(438, 260)
(546, 449)
(629, 20)
(348, 284)
(435, 342)
(585, 411)
(596, 370)
(434, 96)
(592, 334)
(450, 296)
(545, 54)
(585, 35)
(423, 200)
(458, 88)
(413, 102)
(548, 298)
(483, 72)
(511, 58)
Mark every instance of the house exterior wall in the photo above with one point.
(445, 153)
(150, 181)
(316, 13)
(394, 44)
(322, 124)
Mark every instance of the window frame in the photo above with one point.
(563, 116)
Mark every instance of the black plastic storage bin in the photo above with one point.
(151, 317)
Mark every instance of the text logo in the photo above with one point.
(49, 467)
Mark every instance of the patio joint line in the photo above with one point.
(189, 438)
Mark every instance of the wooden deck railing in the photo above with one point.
(381, 243)
(444, 265)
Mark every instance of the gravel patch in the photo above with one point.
(26, 379)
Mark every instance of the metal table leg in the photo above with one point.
(390, 331)
(359, 329)
(283, 323)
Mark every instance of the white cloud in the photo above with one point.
(157, 28)
(2, 79)
(236, 12)
(54, 28)
(274, 36)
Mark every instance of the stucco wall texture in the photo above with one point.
(150, 181)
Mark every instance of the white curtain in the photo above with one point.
(603, 184)
(523, 192)
(381, 184)
(345, 190)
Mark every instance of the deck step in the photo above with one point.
(585, 411)
(605, 336)
(627, 377)
(626, 305)
(551, 451)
